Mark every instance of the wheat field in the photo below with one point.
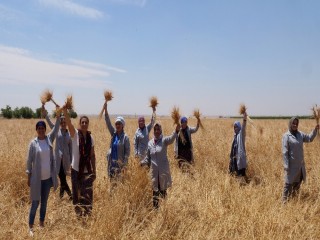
(209, 204)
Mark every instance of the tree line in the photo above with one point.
(27, 113)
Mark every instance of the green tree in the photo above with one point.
(16, 113)
(26, 112)
(37, 114)
(7, 112)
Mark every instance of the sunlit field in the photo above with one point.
(205, 204)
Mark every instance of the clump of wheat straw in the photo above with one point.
(108, 97)
(316, 114)
(196, 114)
(153, 102)
(175, 115)
(46, 96)
(243, 110)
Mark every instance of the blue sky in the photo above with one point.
(211, 55)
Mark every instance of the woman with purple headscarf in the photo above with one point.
(238, 158)
(141, 137)
(293, 158)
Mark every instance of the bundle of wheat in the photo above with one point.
(46, 96)
(175, 115)
(243, 110)
(153, 102)
(316, 114)
(196, 114)
(108, 97)
(69, 102)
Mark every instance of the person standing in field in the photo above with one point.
(158, 162)
(41, 170)
(63, 153)
(183, 146)
(293, 158)
(141, 137)
(83, 165)
(238, 158)
(119, 151)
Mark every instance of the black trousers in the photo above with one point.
(64, 187)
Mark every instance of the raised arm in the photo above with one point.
(153, 119)
(285, 152)
(170, 139)
(71, 128)
(195, 129)
(244, 127)
(312, 135)
(52, 135)
(107, 118)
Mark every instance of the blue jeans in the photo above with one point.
(45, 190)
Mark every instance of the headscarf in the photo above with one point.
(158, 125)
(290, 124)
(141, 118)
(237, 124)
(183, 120)
(41, 124)
(121, 120)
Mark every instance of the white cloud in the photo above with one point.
(96, 65)
(18, 66)
(140, 3)
(73, 8)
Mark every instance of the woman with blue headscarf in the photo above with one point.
(119, 151)
(238, 158)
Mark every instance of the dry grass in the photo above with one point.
(154, 102)
(69, 102)
(208, 205)
(175, 115)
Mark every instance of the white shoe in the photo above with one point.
(31, 234)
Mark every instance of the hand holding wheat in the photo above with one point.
(175, 115)
(316, 116)
(243, 111)
(154, 103)
(196, 114)
(108, 97)
(46, 96)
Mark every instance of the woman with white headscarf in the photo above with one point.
(238, 158)
(157, 160)
(119, 151)
(293, 158)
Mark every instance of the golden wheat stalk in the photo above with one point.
(316, 114)
(175, 115)
(108, 97)
(243, 110)
(69, 102)
(154, 102)
(46, 96)
(197, 114)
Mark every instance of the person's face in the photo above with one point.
(294, 125)
(84, 124)
(184, 125)
(41, 131)
(157, 131)
(236, 128)
(142, 123)
(119, 127)
(63, 124)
